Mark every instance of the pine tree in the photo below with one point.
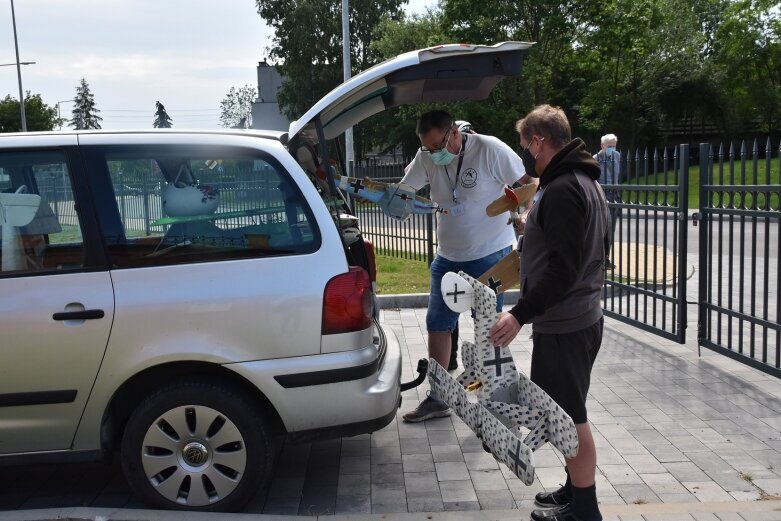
(162, 119)
(85, 115)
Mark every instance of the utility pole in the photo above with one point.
(348, 134)
(18, 71)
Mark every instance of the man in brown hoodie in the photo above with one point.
(562, 271)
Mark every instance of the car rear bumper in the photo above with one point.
(338, 394)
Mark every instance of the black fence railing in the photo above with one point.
(740, 281)
(645, 284)
(414, 238)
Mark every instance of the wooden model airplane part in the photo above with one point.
(511, 200)
(503, 275)
(498, 402)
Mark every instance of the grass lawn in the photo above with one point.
(396, 275)
(734, 176)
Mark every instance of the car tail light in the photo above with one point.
(347, 302)
(372, 261)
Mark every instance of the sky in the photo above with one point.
(187, 54)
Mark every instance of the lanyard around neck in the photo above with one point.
(458, 168)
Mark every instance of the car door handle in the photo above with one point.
(87, 314)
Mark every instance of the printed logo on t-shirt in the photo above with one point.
(469, 178)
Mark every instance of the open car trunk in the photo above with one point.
(453, 72)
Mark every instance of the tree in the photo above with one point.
(237, 107)
(39, 115)
(396, 126)
(85, 115)
(307, 45)
(162, 119)
(747, 55)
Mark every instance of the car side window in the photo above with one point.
(179, 205)
(38, 219)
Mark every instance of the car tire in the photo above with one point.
(197, 445)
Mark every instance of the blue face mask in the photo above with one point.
(443, 157)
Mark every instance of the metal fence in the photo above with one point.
(740, 282)
(645, 284)
(140, 200)
(415, 238)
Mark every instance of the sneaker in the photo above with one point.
(564, 513)
(428, 408)
(557, 498)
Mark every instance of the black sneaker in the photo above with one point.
(557, 498)
(564, 513)
(428, 409)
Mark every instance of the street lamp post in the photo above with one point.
(18, 70)
(348, 134)
(59, 118)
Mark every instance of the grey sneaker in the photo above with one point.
(428, 408)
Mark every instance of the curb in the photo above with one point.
(768, 510)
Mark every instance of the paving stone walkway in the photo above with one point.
(671, 429)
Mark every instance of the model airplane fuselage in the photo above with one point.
(505, 409)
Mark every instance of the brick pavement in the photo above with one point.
(673, 432)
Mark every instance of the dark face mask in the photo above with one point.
(529, 162)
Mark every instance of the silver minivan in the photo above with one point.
(183, 298)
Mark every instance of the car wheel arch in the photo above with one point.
(135, 389)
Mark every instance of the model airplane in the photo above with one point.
(499, 403)
(397, 200)
(511, 200)
(505, 274)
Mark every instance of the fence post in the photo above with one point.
(147, 228)
(683, 209)
(703, 320)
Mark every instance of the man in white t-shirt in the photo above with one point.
(466, 172)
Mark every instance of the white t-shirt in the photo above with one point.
(466, 233)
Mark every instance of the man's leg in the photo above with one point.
(439, 347)
(453, 363)
(439, 323)
(561, 366)
(433, 406)
(582, 468)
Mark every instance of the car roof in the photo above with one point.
(66, 136)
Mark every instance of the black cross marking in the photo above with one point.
(516, 457)
(403, 197)
(494, 284)
(497, 361)
(455, 293)
(435, 378)
(357, 185)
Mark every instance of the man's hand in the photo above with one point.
(519, 222)
(505, 329)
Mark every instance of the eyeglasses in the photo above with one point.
(442, 145)
(523, 149)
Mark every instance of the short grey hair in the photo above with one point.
(609, 140)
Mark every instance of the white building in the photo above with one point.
(265, 109)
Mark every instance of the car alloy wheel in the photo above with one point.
(193, 455)
(197, 445)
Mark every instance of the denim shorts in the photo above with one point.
(439, 317)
